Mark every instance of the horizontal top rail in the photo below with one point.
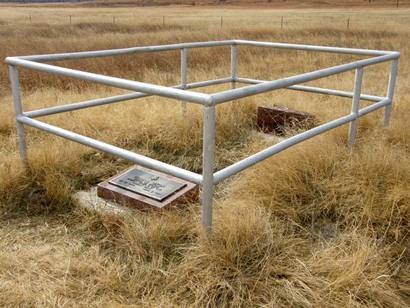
(168, 47)
(190, 96)
(352, 51)
(230, 95)
(122, 51)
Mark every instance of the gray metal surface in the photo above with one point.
(110, 149)
(148, 184)
(355, 104)
(209, 178)
(390, 91)
(112, 99)
(184, 63)
(230, 95)
(15, 89)
(234, 65)
(365, 97)
(148, 88)
(208, 164)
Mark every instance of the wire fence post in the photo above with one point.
(355, 104)
(29, 17)
(163, 21)
(70, 19)
(390, 91)
(184, 61)
(281, 22)
(208, 157)
(348, 23)
(222, 21)
(15, 89)
(113, 19)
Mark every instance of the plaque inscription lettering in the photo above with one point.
(148, 184)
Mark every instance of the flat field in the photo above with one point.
(317, 225)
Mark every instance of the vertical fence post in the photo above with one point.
(15, 89)
(281, 22)
(234, 60)
(70, 19)
(208, 157)
(390, 91)
(163, 21)
(222, 21)
(113, 19)
(348, 23)
(355, 104)
(184, 60)
(29, 17)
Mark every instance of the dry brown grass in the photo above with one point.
(317, 225)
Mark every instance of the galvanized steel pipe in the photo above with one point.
(110, 149)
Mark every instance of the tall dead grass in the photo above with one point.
(317, 225)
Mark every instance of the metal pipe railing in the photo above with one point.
(230, 95)
(373, 107)
(350, 51)
(15, 89)
(208, 164)
(161, 48)
(355, 104)
(209, 178)
(123, 51)
(147, 88)
(365, 97)
(110, 149)
(234, 65)
(113, 99)
(390, 90)
(291, 141)
(184, 63)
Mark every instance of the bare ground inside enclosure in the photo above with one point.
(317, 225)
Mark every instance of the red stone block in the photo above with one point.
(278, 119)
(153, 188)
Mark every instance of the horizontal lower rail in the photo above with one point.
(302, 88)
(207, 83)
(110, 149)
(230, 95)
(374, 107)
(195, 97)
(283, 145)
(112, 99)
(81, 105)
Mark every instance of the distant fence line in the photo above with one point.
(281, 21)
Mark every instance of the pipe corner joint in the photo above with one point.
(210, 102)
(9, 60)
(397, 53)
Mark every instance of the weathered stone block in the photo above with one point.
(278, 119)
(144, 189)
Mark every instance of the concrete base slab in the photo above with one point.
(89, 200)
